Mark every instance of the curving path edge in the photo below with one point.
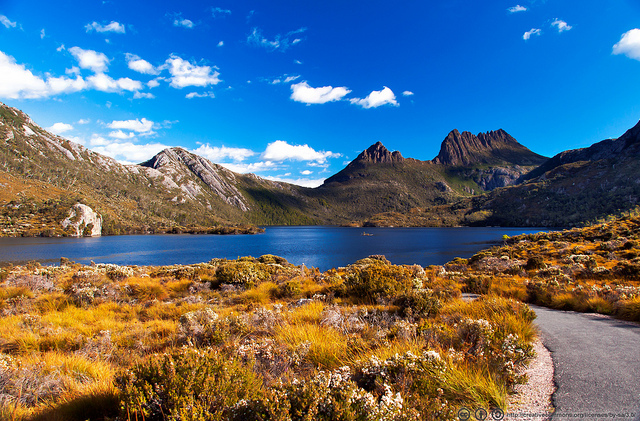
(597, 364)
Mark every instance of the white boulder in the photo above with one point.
(80, 217)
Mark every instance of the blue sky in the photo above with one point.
(293, 90)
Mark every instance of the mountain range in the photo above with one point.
(488, 178)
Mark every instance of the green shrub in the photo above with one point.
(418, 304)
(186, 385)
(377, 279)
(289, 289)
(243, 273)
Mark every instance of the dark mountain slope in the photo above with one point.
(490, 148)
(623, 147)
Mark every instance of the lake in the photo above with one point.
(315, 246)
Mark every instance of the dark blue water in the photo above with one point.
(321, 247)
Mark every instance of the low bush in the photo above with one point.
(188, 384)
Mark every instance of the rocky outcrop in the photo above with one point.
(378, 154)
(492, 148)
(179, 164)
(83, 221)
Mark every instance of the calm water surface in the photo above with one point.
(321, 247)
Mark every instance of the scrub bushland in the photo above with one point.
(253, 339)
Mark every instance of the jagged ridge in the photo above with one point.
(490, 148)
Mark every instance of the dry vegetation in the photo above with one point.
(261, 339)
(594, 269)
(253, 339)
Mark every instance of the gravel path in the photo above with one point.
(533, 399)
(597, 365)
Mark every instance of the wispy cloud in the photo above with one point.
(561, 25)
(218, 12)
(284, 79)
(145, 95)
(534, 31)
(114, 27)
(302, 92)
(185, 23)
(7, 22)
(279, 42)
(517, 8)
(377, 99)
(629, 44)
(207, 94)
(407, 93)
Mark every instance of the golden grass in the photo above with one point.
(328, 348)
(306, 314)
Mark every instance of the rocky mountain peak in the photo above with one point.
(377, 153)
(492, 147)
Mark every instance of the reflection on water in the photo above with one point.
(321, 247)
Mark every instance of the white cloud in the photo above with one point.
(42, 34)
(517, 8)
(129, 152)
(7, 22)
(138, 125)
(221, 43)
(84, 121)
(407, 93)
(217, 11)
(185, 23)
(304, 182)
(119, 134)
(65, 85)
(192, 95)
(219, 153)
(533, 31)
(249, 168)
(281, 151)
(561, 25)
(280, 42)
(105, 83)
(115, 27)
(139, 65)
(59, 128)
(302, 92)
(284, 79)
(89, 59)
(154, 83)
(306, 172)
(184, 73)
(19, 82)
(147, 95)
(377, 98)
(629, 44)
